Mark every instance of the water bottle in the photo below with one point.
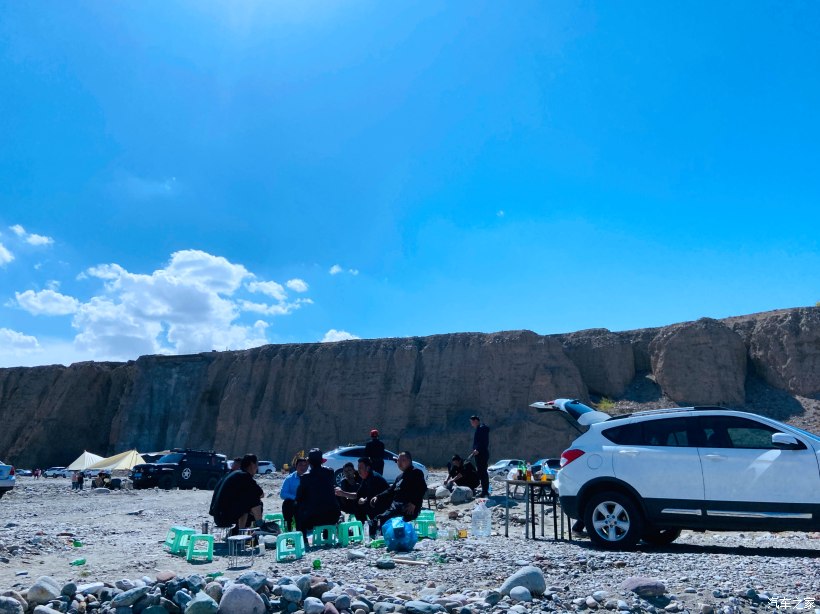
(482, 521)
(77, 562)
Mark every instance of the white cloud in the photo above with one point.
(5, 255)
(297, 285)
(336, 269)
(270, 288)
(31, 238)
(337, 335)
(46, 302)
(191, 305)
(18, 343)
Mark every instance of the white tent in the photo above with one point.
(123, 460)
(84, 461)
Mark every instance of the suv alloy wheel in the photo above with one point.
(613, 520)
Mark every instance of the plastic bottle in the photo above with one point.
(77, 562)
(482, 520)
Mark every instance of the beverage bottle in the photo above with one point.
(77, 562)
(482, 521)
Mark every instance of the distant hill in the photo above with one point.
(419, 392)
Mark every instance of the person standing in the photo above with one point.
(289, 488)
(316, 503)
(481, 453)
(374, 449)
(80, 480)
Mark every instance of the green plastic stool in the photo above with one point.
(427, 528)
(319, 539)
(177, 539)
(279, 519)
(350, 532)
(199, 554)
(289, 544)
(427, 515)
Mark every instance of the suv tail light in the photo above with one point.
(567, 456)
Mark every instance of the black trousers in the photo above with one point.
(394, 509)
(289, 512)
(481, 460)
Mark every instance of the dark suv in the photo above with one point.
(183, 468)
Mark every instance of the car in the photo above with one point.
(57, 472)
(182, 468)
(502, 468)
(549, 466)
(648, 475)
(7, 478)
(266, 467)
(24, 472)
(335, 459)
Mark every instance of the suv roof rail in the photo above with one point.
(192, 450)
(671, 410)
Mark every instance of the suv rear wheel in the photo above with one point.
(613, 521)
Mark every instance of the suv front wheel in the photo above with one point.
(613, 521)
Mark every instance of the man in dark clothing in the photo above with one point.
(316, 503)
(481, 452)
(349, 486)
(405, 496)
(237, 499)
(372, 484)
(461, 474)
(374, 449)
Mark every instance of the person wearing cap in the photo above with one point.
(481, 453)
(316, 503)
(374, 449)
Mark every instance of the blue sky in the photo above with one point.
(180, 177)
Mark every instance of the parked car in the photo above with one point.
(24, 472)
(57, 472)
(266, 467)
(549, 466)
(502, 468)
(7, 478)
(183, 468)
(336, 459)
(648, 475)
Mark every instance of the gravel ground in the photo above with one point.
(122, 532)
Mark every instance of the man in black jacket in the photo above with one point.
(481, 452)
(372, 485)
(374, 449)
(405, 497)
(461, 474)
(316, 503)
(237, 498)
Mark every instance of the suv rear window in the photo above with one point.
(670, 432)
(171, 458)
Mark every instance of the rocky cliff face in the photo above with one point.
(277, 399)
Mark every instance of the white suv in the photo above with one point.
(650, 474)
(7, 478)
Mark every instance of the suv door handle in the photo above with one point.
(629, 452)
(716, 457)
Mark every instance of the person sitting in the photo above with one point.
(316, 503)
(405, 496)
(288, 493)
(461, 474)
(349, 486)
(371, 485)
(237, 499)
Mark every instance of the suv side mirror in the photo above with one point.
(784, 441)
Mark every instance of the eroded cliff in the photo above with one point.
(277, 399)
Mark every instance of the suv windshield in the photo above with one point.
(171, 458)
